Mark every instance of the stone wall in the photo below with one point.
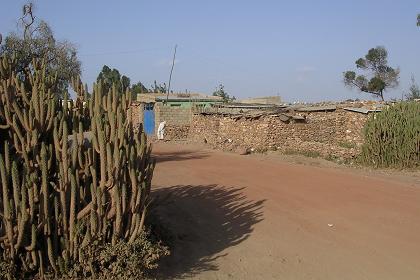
(335, 134)
(178, 120)
(136, 113)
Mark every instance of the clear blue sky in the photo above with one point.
(297, 49)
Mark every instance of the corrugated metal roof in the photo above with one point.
(152, 98)
(249, 106)
(190, 99)
(317, 108)
(362, 110)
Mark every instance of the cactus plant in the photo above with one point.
(73, 173)
(392, 137)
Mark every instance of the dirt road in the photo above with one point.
(248, 217)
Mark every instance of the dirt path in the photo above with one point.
(246, 217)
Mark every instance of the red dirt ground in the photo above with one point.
(257, 217)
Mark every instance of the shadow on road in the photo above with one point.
(179, 156)
(202, 221)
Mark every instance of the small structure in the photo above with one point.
(176, 109)
(184, 100)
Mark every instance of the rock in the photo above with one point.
(242, 151)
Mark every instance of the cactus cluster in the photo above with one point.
(392, 137)
(73, 173)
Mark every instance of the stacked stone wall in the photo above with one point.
(329, 134)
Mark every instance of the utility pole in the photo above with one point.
(170, 75)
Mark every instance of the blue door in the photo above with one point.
(149, 119)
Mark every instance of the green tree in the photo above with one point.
(379, 76)
(159, 88)
(112, 76)
(220, 91)
(418, 20)
(139, 88)
(35, 39)
(413, 90)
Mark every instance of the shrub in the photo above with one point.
(74, 174)
(120, 260)
(392, 137)
(306, 153)
(347, 144)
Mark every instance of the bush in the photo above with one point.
(347, 145)
(120, 260)
(392, 137)
(306, 153)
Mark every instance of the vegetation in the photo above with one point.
(112, 76)
(306, 153)
(75, 179)
(347, 144)
(392, 137)
(36, 40)
(413, 91)
(158, 88)
(139, 88)
(109, 77)
(220, 91)
(379, 77)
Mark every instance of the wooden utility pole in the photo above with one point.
(170, 75)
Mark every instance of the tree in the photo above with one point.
(418, 20)
(159, 88)
(220, 91)
(36, 40)
(413, 91)
(139, 88)
(379, 76)
(112, 76)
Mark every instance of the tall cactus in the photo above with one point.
(73, 173)
(392, 137)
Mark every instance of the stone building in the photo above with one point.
(176, 109)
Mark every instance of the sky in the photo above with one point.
(296, 49)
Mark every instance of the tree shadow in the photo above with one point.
(200, 222)
(179, 156)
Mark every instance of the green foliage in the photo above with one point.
(36, 40)
(418, 20)
(413, 91)
(122, 260)
(392, 137)
(75, 175)
(139, 88)
(110, 77)
(347, 144)
(306, 153)
(375, 63)
(159, 88)
(220, 91)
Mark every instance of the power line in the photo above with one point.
(120, 52)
